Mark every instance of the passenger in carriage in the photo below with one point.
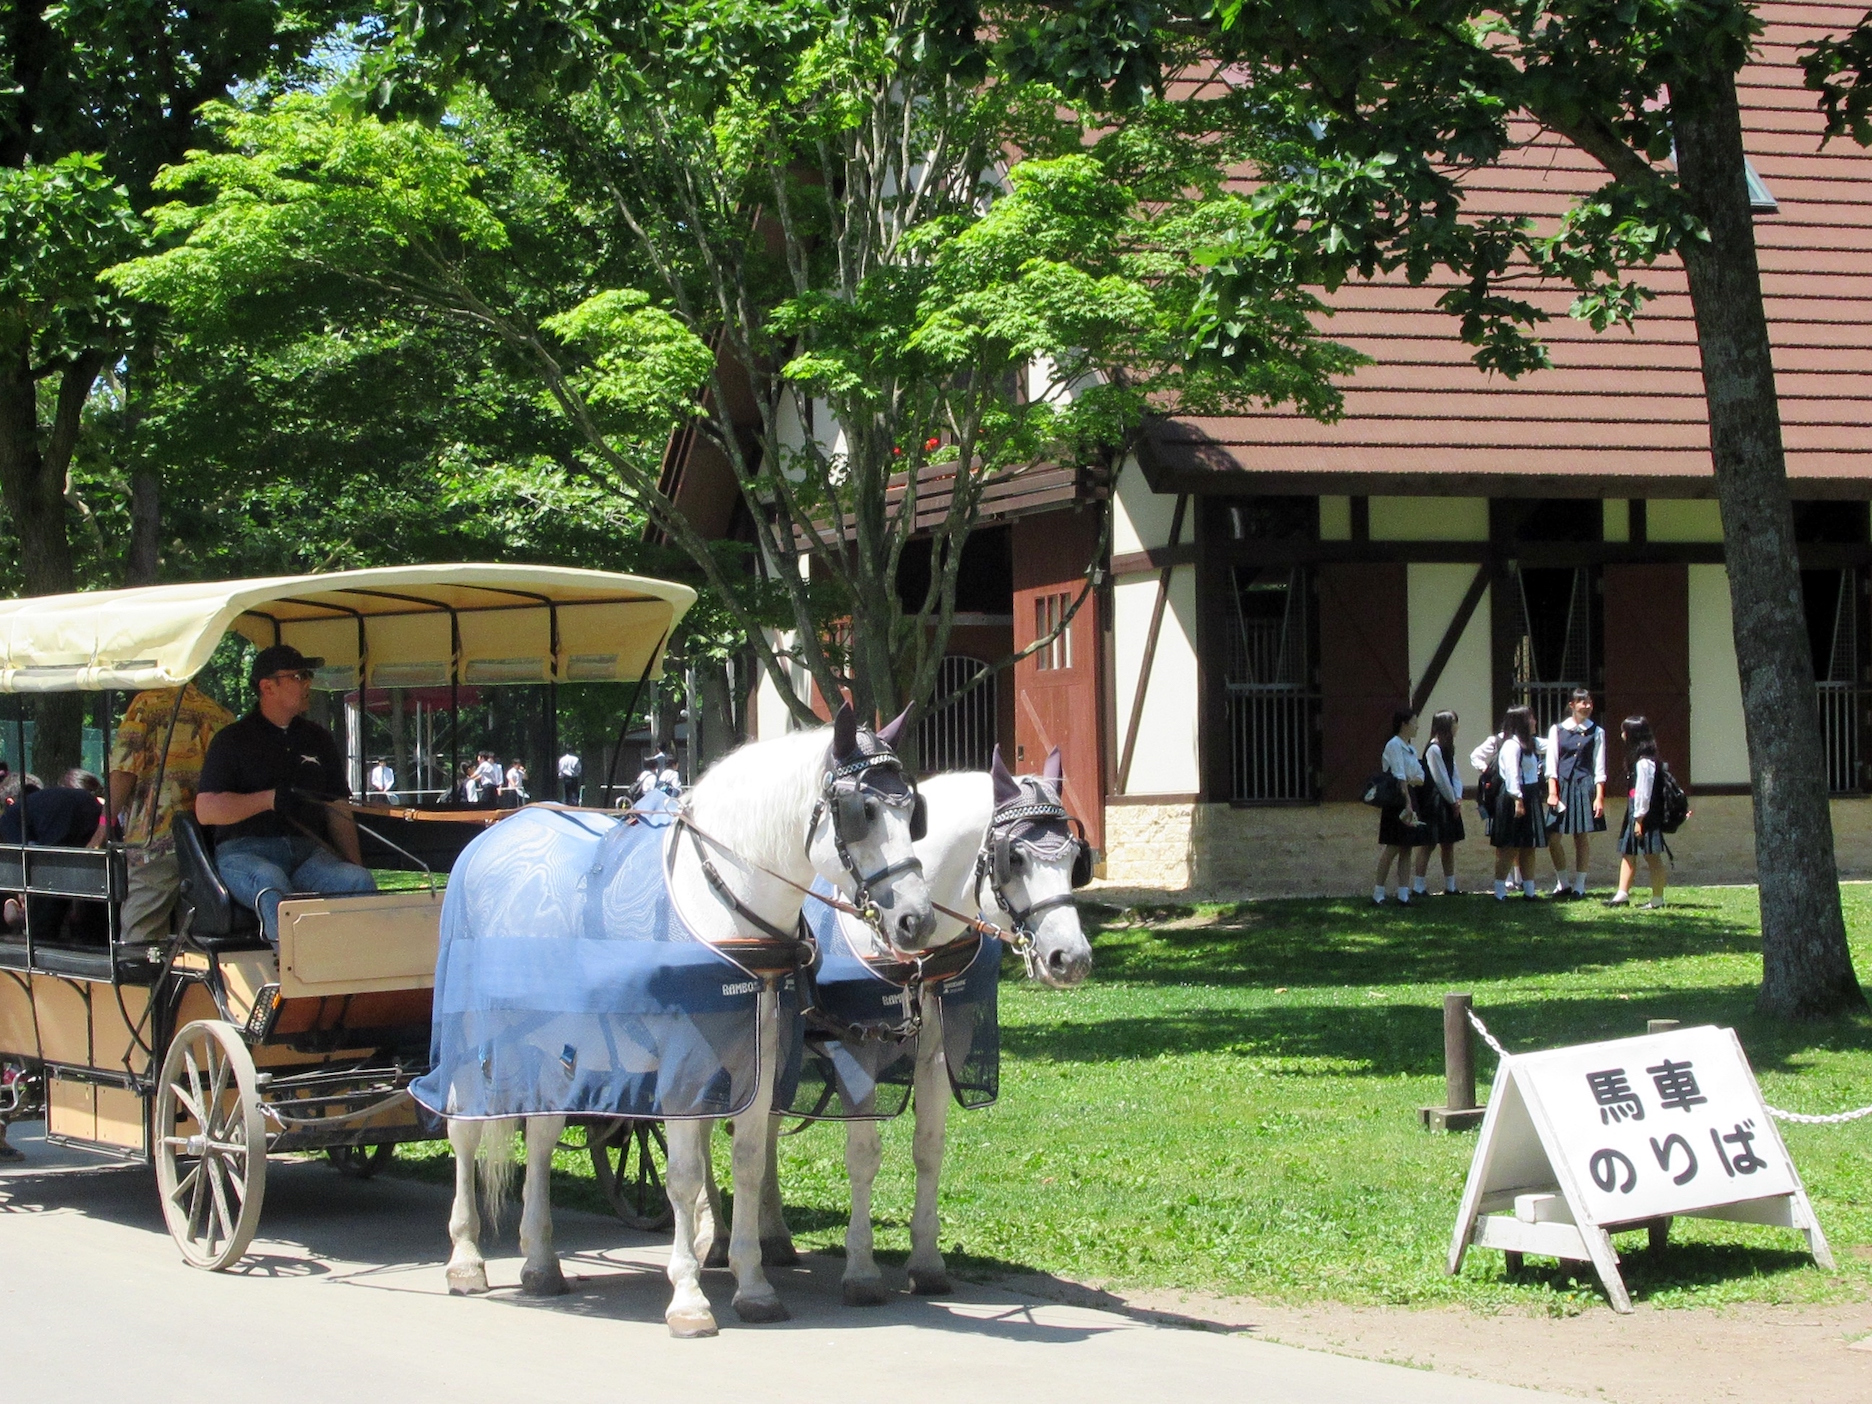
(264, 787)
(158, 736)
(68, 815)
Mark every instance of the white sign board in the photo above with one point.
(1580, 1141)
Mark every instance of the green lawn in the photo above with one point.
(1229, 1105)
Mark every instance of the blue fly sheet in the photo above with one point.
(863, 1068)
(567, 982)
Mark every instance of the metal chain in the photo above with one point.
(1834, 1119)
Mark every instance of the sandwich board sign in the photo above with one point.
(1581, 1142)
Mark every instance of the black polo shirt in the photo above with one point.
(252, 754)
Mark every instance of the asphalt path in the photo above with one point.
(342, 1298)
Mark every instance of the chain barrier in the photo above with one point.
(1832, 1119)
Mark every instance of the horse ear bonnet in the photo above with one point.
(919, 818)
(1082, 863)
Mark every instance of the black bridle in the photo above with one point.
(846, 807)
(993, 864)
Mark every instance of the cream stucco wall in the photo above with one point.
(1616, 515)
(1141, 518)
(772, 717)
(1718, 747)
(1463, 687)
(1335, 518)
(1429, 518)
(1680, 519)
(1165, 761)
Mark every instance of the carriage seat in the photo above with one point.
(215, 920)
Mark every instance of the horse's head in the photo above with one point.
(1036, 855)
(863, 831)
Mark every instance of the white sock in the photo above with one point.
(1528, 888)
(1501, 890)
(1562, 881)
(1377, 894)
(1417, 884)
(1403, 895)
(1579, 883)
(1449, 884)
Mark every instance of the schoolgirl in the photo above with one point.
(1519, 828)
(1399, 829)
(1639, 835)
(1576, 777)
(1440, 805)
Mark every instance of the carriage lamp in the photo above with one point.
(266, 1005)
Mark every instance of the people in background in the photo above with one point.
(1518, 829)
(381, 782)
(264, 786)
(658, 772)
(1482, 762)
(1576, 772)
(1398, 827)
(1440, 802)
(68, 815)
(162, 738)
(513, 784)
(487, 780)
(1639, 834)
(571, 778)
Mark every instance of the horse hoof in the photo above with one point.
(761, 1311)
(863, 1292)
(927, 1282)
(543, 1282)
(717, 1255)
(778, 1252)
(467, 1281)
(692, 1325)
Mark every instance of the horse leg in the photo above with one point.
(755, 1299)
(711, 1236)
(928, 1276)
(864, 1152)
(540, 1275)
(467, 1270)
(776, 1239)
(688, 1315)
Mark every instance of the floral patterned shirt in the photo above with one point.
(138, 751)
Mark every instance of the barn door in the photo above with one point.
(1647, 661)
(1364, 643)
(1056, 690)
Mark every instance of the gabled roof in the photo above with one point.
(1622, 412)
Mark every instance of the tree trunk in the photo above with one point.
(32, 483)
(1806, 966)
(144, 555)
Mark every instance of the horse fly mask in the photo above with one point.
(851, 797)
(1034, 822)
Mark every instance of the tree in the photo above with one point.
(1388, 107)
(95, 95)
(871, 294)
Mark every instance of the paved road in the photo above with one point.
(342, 1299)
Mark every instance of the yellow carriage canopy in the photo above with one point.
(400, 626)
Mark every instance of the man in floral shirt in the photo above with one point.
(136, 758)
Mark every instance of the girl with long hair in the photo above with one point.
(1639, 834)
(1576, 779)
(1518, 829)
(1440, 805)
(1399, 829)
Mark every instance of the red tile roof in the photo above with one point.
(1621, 413)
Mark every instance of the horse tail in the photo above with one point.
(496, 1153)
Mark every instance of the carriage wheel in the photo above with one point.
(629, 1160)
(211, 1144)
(360, 1162)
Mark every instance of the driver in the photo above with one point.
(262, 784)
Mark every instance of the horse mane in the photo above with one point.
(757, 798)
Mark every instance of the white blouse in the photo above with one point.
(1518, 769)
(1400, 759)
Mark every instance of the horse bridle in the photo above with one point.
(846, 810)
(992, 864)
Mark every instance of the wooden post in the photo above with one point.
(1459, 1112)
(1653, 1026)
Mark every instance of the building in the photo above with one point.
(1276, 587)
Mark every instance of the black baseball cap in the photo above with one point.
(281, 658)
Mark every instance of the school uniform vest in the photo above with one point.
(1577, 754)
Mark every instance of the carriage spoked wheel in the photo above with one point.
(211, 1144)
(360, 1162)
(629, 1161)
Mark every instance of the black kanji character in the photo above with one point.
(1676, 1085)
(1744, 1161)
(1613, 1092)
(1662, 1150)
(1605, 1171)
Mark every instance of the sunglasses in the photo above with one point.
(304, 675)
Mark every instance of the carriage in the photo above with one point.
(208, 1051)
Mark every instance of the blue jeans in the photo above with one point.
(260, 871)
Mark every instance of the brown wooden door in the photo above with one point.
(1647, 662)
(1056, 690)
(1364, 641)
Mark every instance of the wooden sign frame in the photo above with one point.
(1525, 1194)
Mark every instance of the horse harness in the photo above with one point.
(994, 865)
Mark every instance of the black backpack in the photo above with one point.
(1489, 786)
(1669, 804)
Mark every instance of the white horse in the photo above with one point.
(1031, 894)
(766, 819)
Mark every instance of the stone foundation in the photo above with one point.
(1219, 852)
